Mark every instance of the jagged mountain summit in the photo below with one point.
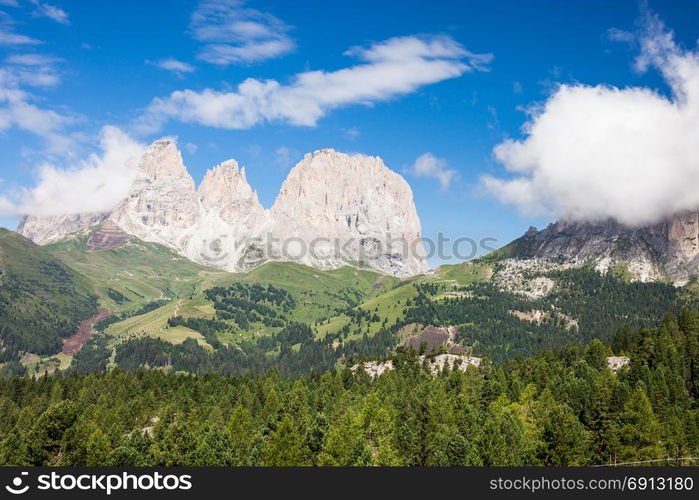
(666, 250)
(333, 210)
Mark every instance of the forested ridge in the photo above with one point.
(557, 408)
(597, 304)
(42, 300)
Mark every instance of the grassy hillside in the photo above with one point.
(42, 300)
(316, 295)
(135, 273)
(387, 308)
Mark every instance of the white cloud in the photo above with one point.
(191, 147)
(175, 66)
(391, 68)
(352, 133)
(8, 36)
(96, 184)
(33, 70)
(598, 152)
(50, 11)
(32, 59)
(618, 35)
(18, 110)
(428, 165)
(9, 3)
(236, 34)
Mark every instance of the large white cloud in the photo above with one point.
(390, 68)
(96, 184)
(599, 152)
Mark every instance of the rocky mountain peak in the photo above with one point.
(45, 230)
(225, 191)
(356, 199)
(162, 200)
(359, 209)
(163, 158)
(666, 250)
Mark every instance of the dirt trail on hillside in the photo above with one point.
(74, 343)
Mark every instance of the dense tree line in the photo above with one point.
(245, 304)
(558, 408)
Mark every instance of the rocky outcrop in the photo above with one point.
(50, 229)
(230, 217)
(434, 364)
(107, 237)
(616, 363)
(669, 249)
(333, 210)
(162, 205)
(339, 208)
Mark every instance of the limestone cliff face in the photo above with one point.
(162, 205)
(668, 249)
(47, 230)
(229, 218)
(333, 210)
(343, 208)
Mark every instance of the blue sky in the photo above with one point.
(81, 66)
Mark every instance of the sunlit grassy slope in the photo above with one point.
(390, 305)
(318, 295)
(136, 272)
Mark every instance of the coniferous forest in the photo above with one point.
(564, 407)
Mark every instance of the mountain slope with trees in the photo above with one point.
(41, 299)
(555, 409)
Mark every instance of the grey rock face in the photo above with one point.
(666, 250)
(348, 208)
(162, 204)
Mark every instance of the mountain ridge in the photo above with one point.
(341, 209)
(668, 249)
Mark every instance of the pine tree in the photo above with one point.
(241, 434)
(345, 444)
(45, 440)
(564, 441)
(640, 431)
(286, 446)
(97, 449)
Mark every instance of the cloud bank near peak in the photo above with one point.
(599, 152)
(96, 184)
(391, 68)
